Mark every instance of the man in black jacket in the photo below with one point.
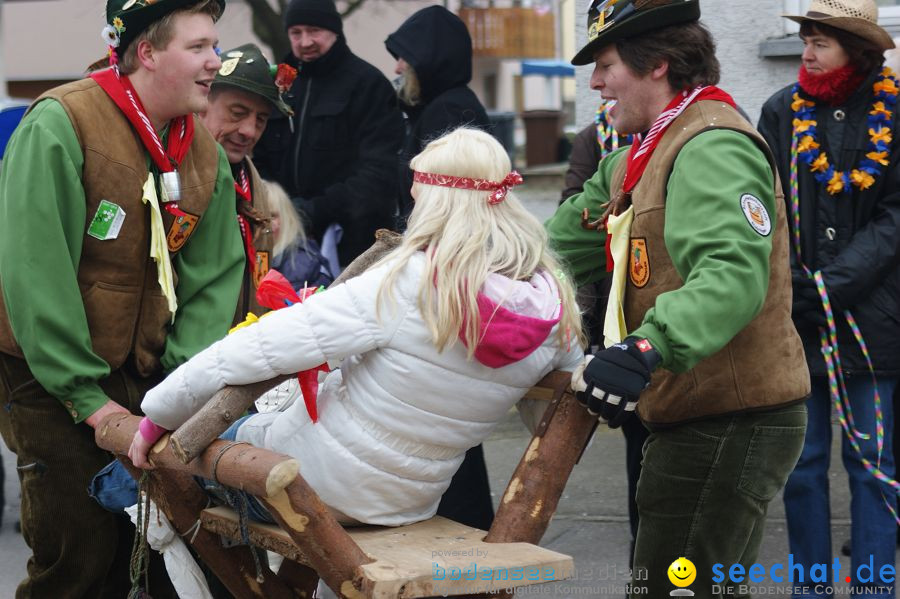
(337, 156)
(836, 141)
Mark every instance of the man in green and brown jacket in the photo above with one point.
(700, 338)
(242, 98)
(120, 258)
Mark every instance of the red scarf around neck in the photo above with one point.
(181, 130)
(833, 87)
(242, 190)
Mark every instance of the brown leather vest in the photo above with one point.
(259, 215)
(126, 311)
(763, 365)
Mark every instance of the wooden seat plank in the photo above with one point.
(430, 558)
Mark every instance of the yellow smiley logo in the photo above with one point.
(682, 572)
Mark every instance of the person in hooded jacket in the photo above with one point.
(433, 50)
(437, 341)
(434, 61)
(337, 155)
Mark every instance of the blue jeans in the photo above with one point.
(873, 532)
(232, 497)
(704, 491)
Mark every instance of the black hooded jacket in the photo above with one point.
(339, 163)
(853, 238)
(437, 45)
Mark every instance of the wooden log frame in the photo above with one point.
(227, 405)
(524, 514)
(234, 566)
(274, 479)
(537, 484)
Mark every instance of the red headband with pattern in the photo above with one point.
(499, 188)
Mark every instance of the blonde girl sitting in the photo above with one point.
(436, 342)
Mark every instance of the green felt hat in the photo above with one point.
(127, 19)
(246, 68)
(609, 21)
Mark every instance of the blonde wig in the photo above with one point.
(410, 92)
(465, 238)
(290, 229)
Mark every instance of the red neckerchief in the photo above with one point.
(833, 87)
(242, 188)
(642, 150)
(181, 130)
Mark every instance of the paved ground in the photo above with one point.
(591, 522)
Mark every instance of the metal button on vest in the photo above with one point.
(839, 115)
(829, 233)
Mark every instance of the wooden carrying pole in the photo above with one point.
(227, 405)
(531, 498)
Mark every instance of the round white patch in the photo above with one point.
(756, 214)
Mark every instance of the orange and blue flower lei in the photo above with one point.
(880, 119)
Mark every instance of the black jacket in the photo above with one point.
(436, 44)
(339, 164)
(853, 238)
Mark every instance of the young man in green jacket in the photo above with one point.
(698, 331)
(120, 257)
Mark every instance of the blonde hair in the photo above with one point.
(465, 239)
(290, 229)
(159, 33)
(410, 92)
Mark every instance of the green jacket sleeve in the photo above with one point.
(210, 270)
(581, 250)
(722, 259)
(42, 220)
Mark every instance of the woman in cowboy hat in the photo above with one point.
(834, 133)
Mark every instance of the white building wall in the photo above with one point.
(58, 39)
(738, 27)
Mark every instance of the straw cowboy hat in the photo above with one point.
(859, 17)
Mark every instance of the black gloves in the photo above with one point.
(807, 307)
(612, 379)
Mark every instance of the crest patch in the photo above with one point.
(639, 262)
(229, 66)
(261, 268)
(756, 214)
(180, 230)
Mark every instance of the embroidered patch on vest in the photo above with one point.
(262, 268)
(756, 214)
(639, 262)
(181, 229)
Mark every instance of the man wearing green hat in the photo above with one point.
(699, 339)
(243, 95)
(120, 258)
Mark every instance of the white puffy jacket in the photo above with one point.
(397, 417)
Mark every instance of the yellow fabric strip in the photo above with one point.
(619, 228)
(159, 249)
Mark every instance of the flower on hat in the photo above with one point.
(284, 77)
(110, 36)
